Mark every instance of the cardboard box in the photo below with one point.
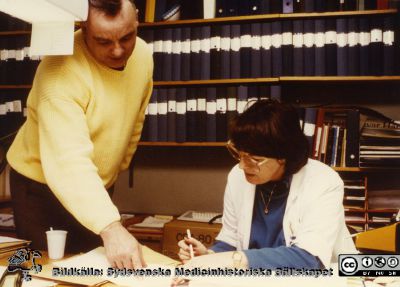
(175, 231)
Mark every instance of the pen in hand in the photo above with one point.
(189, 235)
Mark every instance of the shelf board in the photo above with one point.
(11, 87)
(339, 79)
(216, 82)
(349, 169)
(383, 210)
(195, 144)
(11, 33)
(267, 17)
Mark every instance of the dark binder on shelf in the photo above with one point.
(388, 46)
(310, 117)
(382, 4)
(298, 48)
(266, 42)
(220, 8)
(353, 66)
(152, 117)
(331, 5)
(276, 92)
(275, 6)
(265, 7)
(309, 48)
(309, 6)
(160, 9)
(162, 110)
(255, 7)
(201, 116)
(287, 6)
(320, 51)
(245, 50)
(234, 55)
(376, 47)
(211, 108)
(352, 138)
(232, 7)
(276, 49)
(176, 54)
(171, 114)
(287, 48)
(320, 5)
(226, 53)
(330, 47)
(221, 118)
(185, 54)
(191, 9)
(215, 52)
(195, 57)
(181, 115)
(191, 114)
(370, 4)
(350, 5)
(167, 55)
(342, 46)
(231, 104)
(365, 40)
(158, 55)
(255, 66)
(205, 69)
(299, 6)
(241, 103)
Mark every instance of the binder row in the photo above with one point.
(198, 114)
(333, 135)
(9, 23)
(226, 8)
(16, 65)
(12, 115)
(161, 10)
(311, 47)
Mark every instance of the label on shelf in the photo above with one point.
(201, 105)
(215, 42)
(277, 40)
(152, 109)
(308, 39)
(388, 38)
(19, 55)
(176, 47)
(298, 40)
(365, 39)
(287, 38)
(234, 44)
(171, 106)
(205, 45)
(186, 46)
(158, 46)
(245, 41)
(353, 39)
(181, 108)
(256, 42)
(342, 40)
(266, 42)
(191, 105)
(4, 55)
(211, 108)
(231, 104)
(3, 109)
(167, 46)
(195, 46)
(376, 35)
(17, 106)
(330, 37)
(221, 105)
(162, 108)
(319, 40)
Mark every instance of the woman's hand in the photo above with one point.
(184, 249)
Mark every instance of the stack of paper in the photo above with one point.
(9, 245)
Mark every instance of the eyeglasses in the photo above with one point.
(252, 162)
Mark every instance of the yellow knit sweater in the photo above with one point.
(83, 124)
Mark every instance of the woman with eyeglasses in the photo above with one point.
(281, 209)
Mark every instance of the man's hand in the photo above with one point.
(122, 249)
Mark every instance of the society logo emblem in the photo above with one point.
(392, 262)
(380, 261)
(367, 262)
(349, 265)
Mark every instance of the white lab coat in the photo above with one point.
(313, 219)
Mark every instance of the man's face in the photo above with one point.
(111, 39)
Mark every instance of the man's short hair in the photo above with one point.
(109, 7)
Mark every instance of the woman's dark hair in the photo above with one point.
(109, 7)
(271, 129)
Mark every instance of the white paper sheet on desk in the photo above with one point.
(7, 239)
(97, 259)
(34, 282)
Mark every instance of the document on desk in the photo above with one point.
(158, 265)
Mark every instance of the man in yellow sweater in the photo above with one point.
(85, 117)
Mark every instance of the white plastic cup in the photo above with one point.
(56, 243)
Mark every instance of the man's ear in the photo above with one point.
(281, 161)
